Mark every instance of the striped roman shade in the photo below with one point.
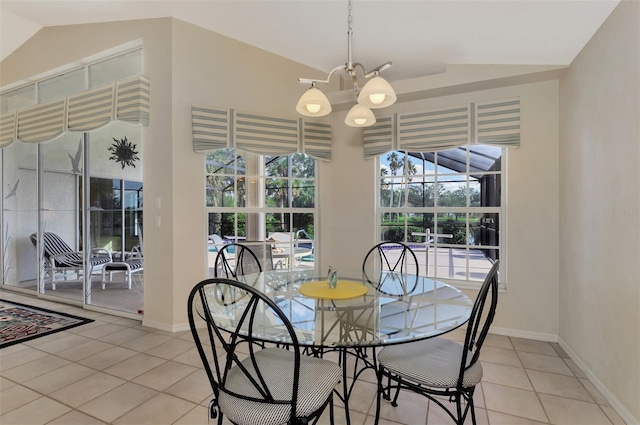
(265, 135)
(7, 129)
(489, 123)
(42, 122)
(211, 128)
(90, 109)
(217, 128)
(316, 139)
(132, 103)
(434, 130)
(498, 123)
(379, 138)
(425, 131)
(126, 100)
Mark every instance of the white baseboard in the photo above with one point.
(165, 327)
(626, 416)
(524, 334)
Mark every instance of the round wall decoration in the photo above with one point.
(124, 152)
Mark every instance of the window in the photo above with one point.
(261, 198)
(73, 81)
(447, 206)
(116, 214)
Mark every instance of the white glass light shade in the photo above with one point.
(313, 103)
(360, 116)
(377, 93)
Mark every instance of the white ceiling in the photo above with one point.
(417, 36)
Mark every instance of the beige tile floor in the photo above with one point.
(115, 370)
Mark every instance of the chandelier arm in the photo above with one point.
(377, 70)
(314, 81)
(354, 77)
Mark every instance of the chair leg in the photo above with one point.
(379, 391)
(472, 406)
(53, 279)
(394, 403)
(458, 402)
(331, 414)
(104, 275)
(127, 275)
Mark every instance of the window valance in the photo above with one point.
(265, 135)
(126, 100)
(491, 123)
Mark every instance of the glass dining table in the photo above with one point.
(355, 318)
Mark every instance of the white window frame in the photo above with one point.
(259, 178)
(501, 210)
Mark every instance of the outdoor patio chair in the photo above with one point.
(439, 368)
(60, 258)
(252, 384)
(235, 260)
(216, 241)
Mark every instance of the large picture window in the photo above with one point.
(447, 206)
(262, 199)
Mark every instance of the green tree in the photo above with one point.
(395, 164)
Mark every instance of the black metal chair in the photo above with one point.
(439, 367)
(251, 384)
(235, 260)
(392, 267)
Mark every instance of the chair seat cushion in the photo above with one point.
(318, 377)
(433, 362)
(122, 265)
(76, 260)
(95, 261)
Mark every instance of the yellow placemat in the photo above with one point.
(344, 290)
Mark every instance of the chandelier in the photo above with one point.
(376, 93)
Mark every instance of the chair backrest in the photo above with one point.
(236, 315)
(217, 241)
(392, 267)
(53, 244)
(480, 320)
(234, 260)
(281, 239)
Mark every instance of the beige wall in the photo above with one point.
(213, 70)
(600, 207)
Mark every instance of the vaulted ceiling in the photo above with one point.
(419, 37)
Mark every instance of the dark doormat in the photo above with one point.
(22, 322)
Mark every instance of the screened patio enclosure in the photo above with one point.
(72, 171)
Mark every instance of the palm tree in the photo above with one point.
(384, 184)
(409, 170)
(395, 163)
(277, 187)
